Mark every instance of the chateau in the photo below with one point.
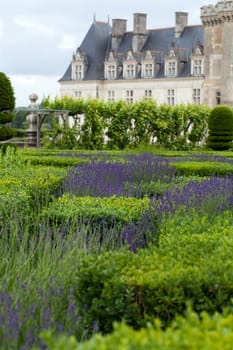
(182, 64)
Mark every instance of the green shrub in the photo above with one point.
(7, 105)
(220, 125)
(96, 210)
(118, 286)
(54, 160)
(190, 332)
(5, 133)
(6, 118)
(4, 147)
(203, 168)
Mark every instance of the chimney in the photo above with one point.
(181, 23)
(119, 27)
(139, 31)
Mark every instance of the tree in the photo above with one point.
(7, 105)
(220, 126)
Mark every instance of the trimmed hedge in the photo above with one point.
(203, 168)
(118, 286)
(220, 124)
(191, 332)
(7, 105)
(33, 185)
(96, 210)
(54, 161)
(6, 118)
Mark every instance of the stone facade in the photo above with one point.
(218, 32)
(182, 64)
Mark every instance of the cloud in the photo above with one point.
(68, 42)
(1, 28)
(25, 85)
(31, 23)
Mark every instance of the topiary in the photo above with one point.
(7, 105)
(220, 126)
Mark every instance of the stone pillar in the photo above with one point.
(32, 121)
(218, 50)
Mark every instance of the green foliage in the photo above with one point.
(7, 99)
(6, 133)
(190, 332)
(60, 136)
(157, 283)
(92, 130)
(19, 121)
(120, 125)
(4, 146)
(96, 210)
(46, 275)
(37, 183)
(7, 105)
(127, 125)
(220, 125)
(6, 118)
(51, 160)
(203, 168)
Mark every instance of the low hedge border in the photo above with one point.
(190, 332)
(118, 286)
(203, 168)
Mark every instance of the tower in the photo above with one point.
(218, 50)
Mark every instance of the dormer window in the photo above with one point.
(197, 67)
(148, 65)
(110, 67)
(197, 61)
(78, 71)
(111, 71)
(129, 66)
(171, 62)
(130, 71)
(79, 65)
(171, 68)
(148, 70)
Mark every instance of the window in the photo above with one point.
(78, 72)
(171, 97)
(78, 93)
(171, 69)
(130, 71)
(129, 95)
(197, 68)
(196, 96)
(111, 95)
(218, 97)
(148, 70)
(111, 72)
(148, 94)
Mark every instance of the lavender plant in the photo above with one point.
(210, 197)
(103, 179)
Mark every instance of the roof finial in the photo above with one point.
(94, 19)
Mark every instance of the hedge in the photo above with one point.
(190, 332)
(137, 288)
(54, 161)
(203, 168)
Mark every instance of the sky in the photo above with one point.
(38, 37)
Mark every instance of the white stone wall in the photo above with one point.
(183, 89)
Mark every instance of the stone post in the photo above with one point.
(32, 121)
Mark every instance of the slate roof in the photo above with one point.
(94, 45)
(97, 44)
